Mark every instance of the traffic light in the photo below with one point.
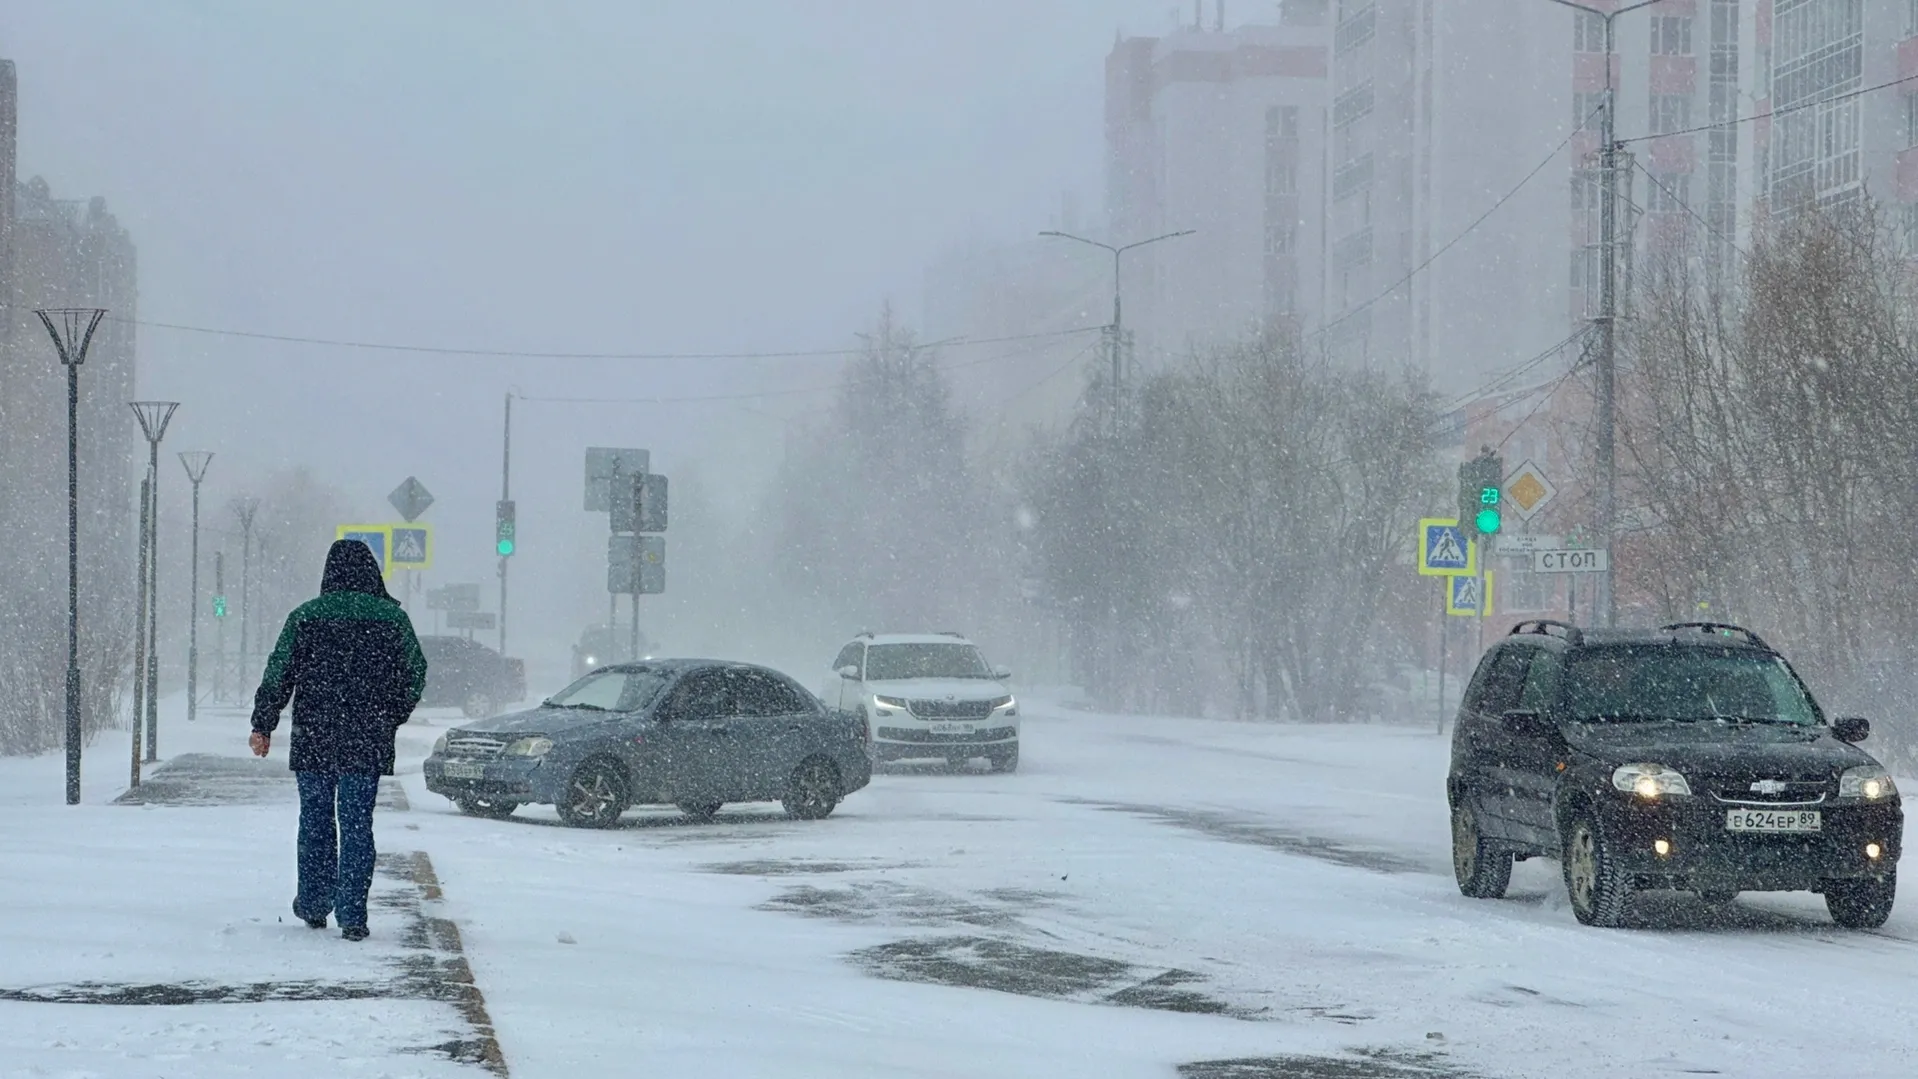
(1481, 509)
(505, 529)
(219, 606)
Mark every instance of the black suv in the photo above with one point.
(1691, 757)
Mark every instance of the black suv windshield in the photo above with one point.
(611, 691)
(1654, 682)
(885, 662)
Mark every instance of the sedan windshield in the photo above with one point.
(1660, 682)
(885, 662)
(611, 691)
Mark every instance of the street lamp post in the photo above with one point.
(1115, 329)
(1607, 604)
(244, 508)
(72, 331)
(195, 463)
(154, 417)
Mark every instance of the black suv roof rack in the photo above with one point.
(1725, 629)
(1546, 626)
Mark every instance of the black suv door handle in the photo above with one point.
(721, 730)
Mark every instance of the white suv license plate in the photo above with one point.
(1773, 820)
(954, 728)
(465, 770)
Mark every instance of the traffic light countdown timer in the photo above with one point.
(505, 529)
(1481, 501)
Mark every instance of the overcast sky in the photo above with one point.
(559, 175)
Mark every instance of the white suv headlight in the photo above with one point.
(1867, 781)
(883, 703)
(528, 747)
(439, 747)
(1005, 704)
(1650, 780)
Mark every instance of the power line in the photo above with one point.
(789, 392)
(1773, 113)
(1453, 242)
(446, 350)
(1687, 207)
(1509, 377)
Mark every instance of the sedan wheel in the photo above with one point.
(813, 791)
(1598, 889)
(1482, 871)
(594, 797)
(477, 706)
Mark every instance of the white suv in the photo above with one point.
(927, 696)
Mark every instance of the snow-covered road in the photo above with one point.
(1144, 894)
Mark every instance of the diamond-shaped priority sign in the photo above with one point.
(1527, 490)
(411, 499)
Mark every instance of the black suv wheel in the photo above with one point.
(1861, 904)
(1483, 871)
(1597, 887)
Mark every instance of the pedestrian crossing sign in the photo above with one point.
(412, 547)
(1469, 595)
(1443, 549)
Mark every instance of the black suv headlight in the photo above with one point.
(1867, 782)
(1649, 780)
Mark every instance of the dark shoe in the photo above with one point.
(353, 932)
(311, 922)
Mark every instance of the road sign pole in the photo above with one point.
(1484, 600)
(1444, 583)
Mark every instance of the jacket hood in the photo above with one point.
(351, 567)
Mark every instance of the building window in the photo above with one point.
(1585, 190)
(1354, 250)
(1352, 104)
(1585, 107)
(1280, 236)
(1672, 35)
(1584, 268)
(1911, 119)
(1352, 177)
(1908, 217)
(1670, 112)
(1588, 31)
(1359, 28)
(1670, 193)
(1303, 12)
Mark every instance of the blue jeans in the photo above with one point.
(336, 871)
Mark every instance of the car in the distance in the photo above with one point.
(1690, 758)
(465, 674)
(696, 734)
(927, 696)
(601, 646)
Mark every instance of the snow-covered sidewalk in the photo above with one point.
(155, 938)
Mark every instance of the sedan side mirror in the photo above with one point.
(1526, 723)
(1003, 674)
(1851, 728)
(849, 671)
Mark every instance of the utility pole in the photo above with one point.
(245, 507)
(506, 495)
(72, 336)
(195, 462)
(219, 627)
(154, 417)
(1606, 607)
(139, 627)
(1116, 331)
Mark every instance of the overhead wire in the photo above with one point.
(1773, 114)
(1687, 207)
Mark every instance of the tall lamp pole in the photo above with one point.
(72, 331)
(244, 508)
(1115, 330)
(195, 463)
(1607, 605)
(154, 417)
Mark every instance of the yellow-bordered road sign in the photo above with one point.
(1469, 595)
(1443, 549)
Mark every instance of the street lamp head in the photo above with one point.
(72, 330)
(195, 462)
(154, 416)
(244, 507)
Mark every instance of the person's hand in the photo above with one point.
(259, 743)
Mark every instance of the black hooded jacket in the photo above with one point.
(351, 665)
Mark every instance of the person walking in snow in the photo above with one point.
(351, 665)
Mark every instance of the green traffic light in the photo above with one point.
(1487, 522)
(505, 547)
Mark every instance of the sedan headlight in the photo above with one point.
(529, 747)
(1867, 781)
(1649, 780)
(881, 704)
(439, 747)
